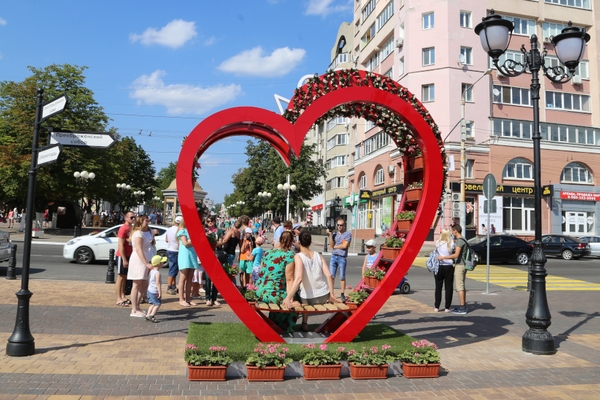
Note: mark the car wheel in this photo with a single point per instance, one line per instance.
(162, 253)
(84, 255)
(522, 258)
(567, 254)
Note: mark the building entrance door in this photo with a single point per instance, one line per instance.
(575, 223)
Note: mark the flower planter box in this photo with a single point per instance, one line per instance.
(368, 371)
(207, 373)
(415, 162)
(390, 253)
(403, 224)
(413, 194)
(267, 374)
(352, 305)
(322, 372)
(371, 282)
(420, 370)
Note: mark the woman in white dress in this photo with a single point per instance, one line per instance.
(139, 262)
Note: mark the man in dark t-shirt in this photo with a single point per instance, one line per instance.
(124, 251)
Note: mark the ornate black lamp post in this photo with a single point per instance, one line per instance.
(83, 178)
(495, 34)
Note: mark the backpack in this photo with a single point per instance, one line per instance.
(468, 256)
(433, 264)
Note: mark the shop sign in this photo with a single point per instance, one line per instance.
(388, 191)
(317, 207)
(500, 189)
(585, 196)
(364, 194)
(548, 190)
(350, 203)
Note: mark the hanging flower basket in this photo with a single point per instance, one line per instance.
(420, 370)
(390, 253)
(324, 372)
(415, 162)
(266, 374)
(403, 224)
(368, 371)
(207, 373)
(414, 194)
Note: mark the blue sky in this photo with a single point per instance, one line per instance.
(159, 67)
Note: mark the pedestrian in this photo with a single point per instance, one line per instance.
(277, 231)
(492, 229)
(187, 261)
(246, 263)
(257, 255)
(155, 287)
(445, 275)
(459, 268)
(11, 218)
(123, 253)
(371, 255)
(139, 262)
(229, 242)
(484, 230)
(46, 216)
(172, 254)
(339, 242)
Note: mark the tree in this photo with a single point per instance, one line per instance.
(266, 170)
(166, 176)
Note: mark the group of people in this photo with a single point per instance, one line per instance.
(12, 217)
(451, 270)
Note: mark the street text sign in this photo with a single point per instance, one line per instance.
(48, 154)
(489, 186)
(54, 107)
(82, 139)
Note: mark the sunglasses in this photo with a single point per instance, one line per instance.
(340, 224)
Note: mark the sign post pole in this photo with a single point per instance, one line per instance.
(489, 191)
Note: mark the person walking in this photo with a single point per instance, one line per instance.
(11, 219)
(155, 287)
(339, 242)
(229, 242)
(445, 275)
(459, 268)
(139, 262)
(123, 253)
(172, 254)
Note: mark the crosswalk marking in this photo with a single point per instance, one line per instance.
(511, 277)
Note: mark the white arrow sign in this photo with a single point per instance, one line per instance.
(48, 154)
(54, 107)
(82, 139)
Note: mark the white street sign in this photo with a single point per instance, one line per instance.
(82, 139)
(48, 154)
(54, 107)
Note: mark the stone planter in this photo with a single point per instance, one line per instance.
(322, 372)
(267, 374)
(368, 371)
(420, 370)
(207, 373)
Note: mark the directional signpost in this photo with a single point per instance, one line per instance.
(489, 191)
(53, 107)
(48, 154)
(82, 139)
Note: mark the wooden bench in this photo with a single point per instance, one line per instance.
(340, 312)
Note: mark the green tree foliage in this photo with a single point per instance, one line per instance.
(265, 171)
(166, 176)
(123, 162)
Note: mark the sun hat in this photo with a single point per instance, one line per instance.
(259, 240)
(248, 230)
(178, 219)
(371, 243)
(157, 260)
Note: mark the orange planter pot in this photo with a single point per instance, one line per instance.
(322, 372)
(371, 281)
(207, 373)
(415, 162)
(368, 371)
(352, 305)
(413, 194)
(420, 370)
(403, 224)
(390, 253)
(266, 374)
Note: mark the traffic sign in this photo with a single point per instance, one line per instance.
(489, 186)
(53, 107)
(82, 139)
(48, 154)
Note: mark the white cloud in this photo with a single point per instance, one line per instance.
(325, 7)
(253, 62)
(2, 21)
(210, 41)
(175, 34)
(181, 98)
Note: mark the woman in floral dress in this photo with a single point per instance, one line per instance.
(276, 274)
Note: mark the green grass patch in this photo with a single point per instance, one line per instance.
(240, 341)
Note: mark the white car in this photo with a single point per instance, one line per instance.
(594, 242)
(86, 249)
(4, 246)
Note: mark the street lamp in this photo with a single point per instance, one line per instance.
(495, 34)
(463, 155)
(83, 178)
(264, 196)
(287, 187)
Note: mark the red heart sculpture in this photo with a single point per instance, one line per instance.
(287, 138)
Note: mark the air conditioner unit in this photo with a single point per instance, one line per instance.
(399, 42)
(455, 196)
(456, 206)
(547, 40)
(576, 80)
(455, 214)
(390, 169)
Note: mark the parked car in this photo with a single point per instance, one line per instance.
(594, 242)
(86, 249)
(4, 246)
(503, 249)
(564, 246)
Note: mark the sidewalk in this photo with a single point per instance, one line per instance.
(87, 346)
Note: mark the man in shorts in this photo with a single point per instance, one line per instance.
(459, 269)
(172, 254)
(124, 251)
(339, 242)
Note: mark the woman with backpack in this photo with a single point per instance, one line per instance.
(445, 275)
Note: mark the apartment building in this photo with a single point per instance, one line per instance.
(431, 48)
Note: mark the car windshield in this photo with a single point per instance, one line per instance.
(476, 240)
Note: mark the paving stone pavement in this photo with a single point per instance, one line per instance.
(87, 347)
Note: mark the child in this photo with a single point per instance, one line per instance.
(245, 257)
(371, 255)
(154, 288)
(257, 255)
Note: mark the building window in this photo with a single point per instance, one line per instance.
(467, 89)
(389, 73)
(550, 29)
(428, 93)
(401, 67)
(337, 161)
(581, 70)
(428, 21)
(572, 3)
(368, 9)
(467, 55)
(385, 15)
(362, 181)
(428, 56)
(469, 169)
(369, 125)
(470, 129)
(376, 142)
(465, 19)
(379, 176)
(518, 168)
(337, 140)
(518, 214)
(576, 173)
(524, 27)
(387, 48)
(512, 128)
(511, 95)
(372, 62)
(567, 101)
